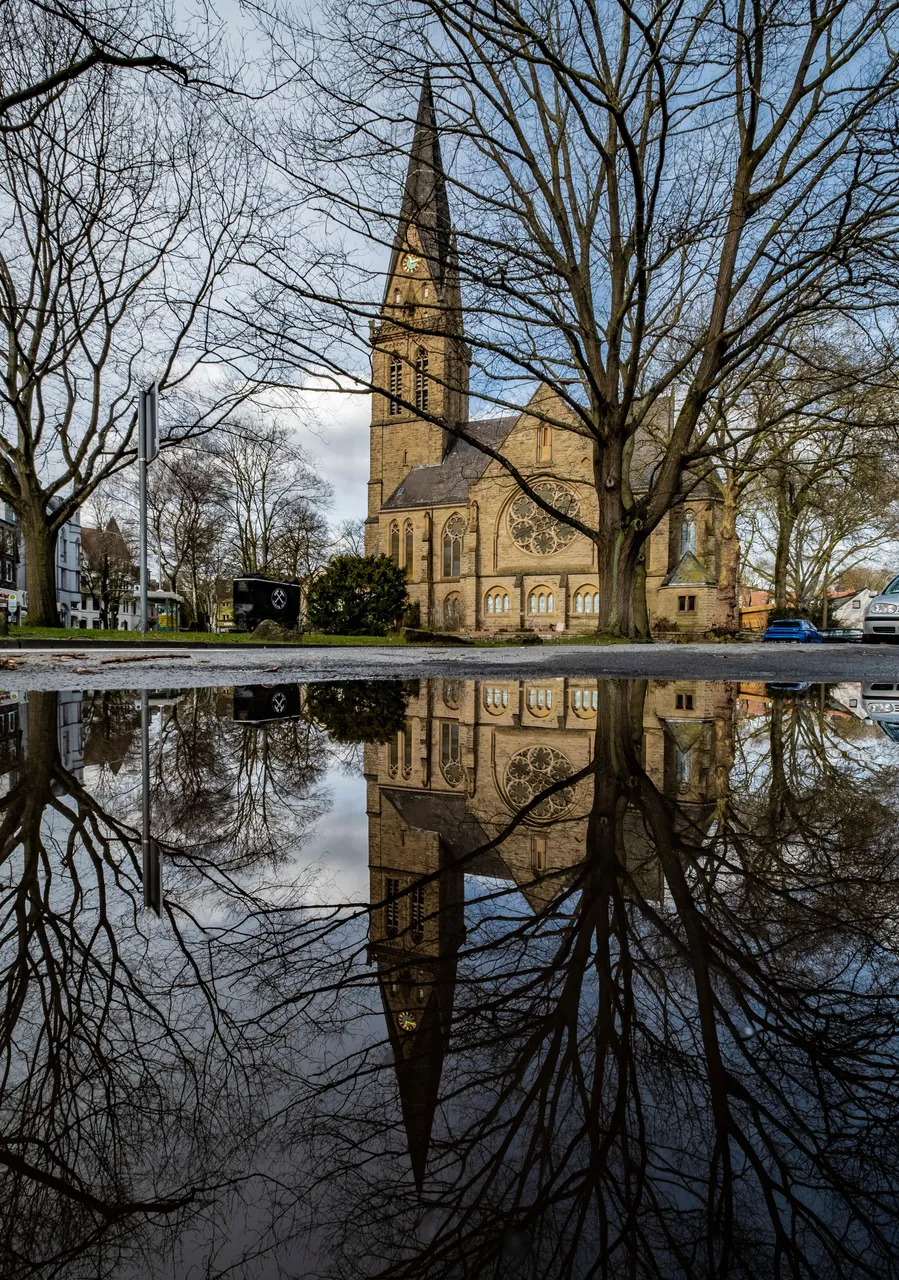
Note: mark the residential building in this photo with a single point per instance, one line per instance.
(849, 610)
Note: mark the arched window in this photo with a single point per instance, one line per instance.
(452, 613)
(452, 547)
(688, 533)
(409, 547)
(541, 603)
(496, 698)
(407, 750)
(421, 380)
(497, 602)
(540, 701)
(450, 754)
(544, 444)
(596, 602)
(392, 907)
(532, 604)
(578, 603)
(490, 604)
(417, 914)
(550, 603)
(396, 383)
(395, 543)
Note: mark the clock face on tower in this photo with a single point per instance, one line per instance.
(411, 263)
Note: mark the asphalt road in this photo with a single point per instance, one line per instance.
(96, 668)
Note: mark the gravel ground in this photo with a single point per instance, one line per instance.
(98, 668)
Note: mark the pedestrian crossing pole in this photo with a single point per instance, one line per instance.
(147, 449)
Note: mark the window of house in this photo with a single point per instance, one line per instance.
(409, 548)
(395, 543)
(586, 602)
(497, 602)
(686, 604)
(421, 380)
(544, 444)
(417, 912)
(538, 853)
(452, 547)
(392, 907)
(856, 604)
(683, 701)
(396, 383)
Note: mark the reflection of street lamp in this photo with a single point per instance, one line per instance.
(147, 449)
(152, 862)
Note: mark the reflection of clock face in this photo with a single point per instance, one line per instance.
(406, 1021)
(410, 263)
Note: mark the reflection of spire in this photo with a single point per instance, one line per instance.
(415, 937)
(418, 1007)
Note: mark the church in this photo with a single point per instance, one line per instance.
(479, 554)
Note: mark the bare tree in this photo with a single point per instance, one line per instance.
(274, 496)
(123, 214)
(108, 567)
(631, 224)
(350, 538)
(186, 506)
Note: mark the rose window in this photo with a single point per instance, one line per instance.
(531, 772)
(533, 529)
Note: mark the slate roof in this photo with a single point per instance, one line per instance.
(425, 200)
(448, 816)
(688, 572)
(446, 483)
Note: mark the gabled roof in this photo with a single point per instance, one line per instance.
(446, 483)
(689, 572)
(425, 200)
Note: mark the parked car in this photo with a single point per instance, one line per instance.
(881, 703)
(881, 624)
(842, 635)
(799, 630)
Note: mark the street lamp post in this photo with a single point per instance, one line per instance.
(147, 449)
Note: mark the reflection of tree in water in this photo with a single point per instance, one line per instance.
(679, 1064)
(135, 1079)
(674, 1074)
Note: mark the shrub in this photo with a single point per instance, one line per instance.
(359, 710)
(357, 596)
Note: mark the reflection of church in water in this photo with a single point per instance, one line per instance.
(444, 800)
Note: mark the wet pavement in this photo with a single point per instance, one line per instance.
(507, 977)
(181, 667)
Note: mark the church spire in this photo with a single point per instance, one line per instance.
(425, 206)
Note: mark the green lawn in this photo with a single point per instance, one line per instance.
(79, 636)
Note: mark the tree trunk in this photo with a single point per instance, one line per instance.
(621, 567)
(730, 559)
(786, 521)
(40, 570)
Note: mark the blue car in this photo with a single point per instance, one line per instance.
(799, 630)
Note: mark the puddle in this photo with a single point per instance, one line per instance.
(450, 978)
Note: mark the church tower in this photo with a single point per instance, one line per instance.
(419, 357)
